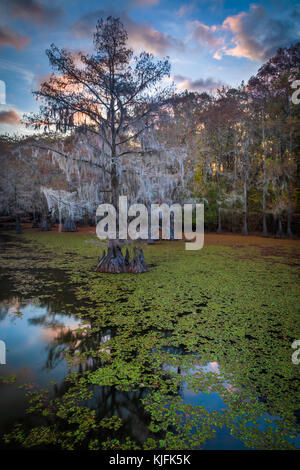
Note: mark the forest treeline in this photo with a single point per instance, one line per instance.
(237, 150)
(245, 145)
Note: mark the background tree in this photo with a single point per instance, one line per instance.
(270, 92)
(22, 175)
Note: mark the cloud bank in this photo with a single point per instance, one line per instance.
(257, 35)
(201, 84)
(35, 11)
(9, 117)
(140, 35)
(8, 37)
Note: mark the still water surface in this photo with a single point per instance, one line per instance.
(36, 337)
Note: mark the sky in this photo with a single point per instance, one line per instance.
(209, 42)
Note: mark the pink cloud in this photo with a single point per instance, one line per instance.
(34, 10)
(204, 34)
(8, 37)
(201, 84)
(9, 117)
(140, 35)
(246, 46)
(257, 34)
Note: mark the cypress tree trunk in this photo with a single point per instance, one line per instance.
(18, 226)
(233, 220)
(69, 225)
(264, 203)
(265, 184)
(53, 220)
(233, 215)
(149, 241)
(279, 232)
(245, 226)
(219, 230)
(290, 213)
(113, 261)
(265, 228)
(44, 224)
(265, 189)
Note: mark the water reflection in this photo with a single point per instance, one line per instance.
(33, 336)
(214, 401)
(37, 338)
(109, 401)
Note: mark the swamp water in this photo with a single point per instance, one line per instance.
(38, 333)
(36, 337)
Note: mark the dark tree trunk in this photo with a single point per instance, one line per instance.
(233, 219)
(18, 226)
(127, 257)
(289, 225)
(233, 214)
(35, 223)
(265, 228)
(265, 183)
(219, 230)
(150, 241)
(290, 214)
(172, 226)
(138, 264)
(44, 225)
(69, 225)
(245, 226)
(114, 180)
(114, 262)
(279, 232)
